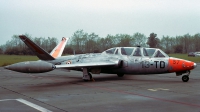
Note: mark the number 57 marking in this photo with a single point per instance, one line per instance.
(175, 61)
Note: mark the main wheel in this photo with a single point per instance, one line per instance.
(85, 80)
(120, 75)
(90, 79)
(185, 78)
(90, 75)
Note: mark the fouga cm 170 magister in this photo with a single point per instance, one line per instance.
(117, 60)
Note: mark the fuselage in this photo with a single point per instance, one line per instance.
(135, 60)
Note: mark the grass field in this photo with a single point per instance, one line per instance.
(185, 56)
(10, 59)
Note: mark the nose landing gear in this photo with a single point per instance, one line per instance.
(185, 78)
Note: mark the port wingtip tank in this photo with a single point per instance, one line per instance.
(31, 67)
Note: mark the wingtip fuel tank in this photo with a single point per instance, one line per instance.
(31, 67)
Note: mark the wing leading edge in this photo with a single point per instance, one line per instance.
(89, 65)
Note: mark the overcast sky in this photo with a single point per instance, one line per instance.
(61, 18)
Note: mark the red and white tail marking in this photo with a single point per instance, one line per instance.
(58, 50)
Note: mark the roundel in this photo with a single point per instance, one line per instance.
(69, 62)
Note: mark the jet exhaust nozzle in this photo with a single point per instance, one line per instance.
(31, 67)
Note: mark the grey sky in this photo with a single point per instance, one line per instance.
(58, 18)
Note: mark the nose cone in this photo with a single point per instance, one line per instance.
(195, 65)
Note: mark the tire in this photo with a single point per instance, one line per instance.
(120, 75)
(185, 78)
(90, 75)
(85, 80)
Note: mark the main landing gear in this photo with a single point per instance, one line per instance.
(87, 76)
(185, 78)
(120, 75)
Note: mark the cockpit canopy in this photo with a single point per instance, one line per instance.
(136, 51)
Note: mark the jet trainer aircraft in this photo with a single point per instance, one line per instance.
(118, 60)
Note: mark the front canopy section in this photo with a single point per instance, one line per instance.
(136, 51)
(156, 53)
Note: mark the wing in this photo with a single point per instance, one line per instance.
(91, 65)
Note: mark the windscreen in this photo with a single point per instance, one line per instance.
(150, 51)
(159, 54)
(111, 51)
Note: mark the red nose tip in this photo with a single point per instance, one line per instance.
(195, 65)
(177, 65)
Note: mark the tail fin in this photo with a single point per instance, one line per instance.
(58, 50)
(41, 53)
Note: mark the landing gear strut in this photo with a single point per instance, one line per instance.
(87, 76)
(185, 78)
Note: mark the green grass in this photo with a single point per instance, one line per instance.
(185, 56)
(10, 59)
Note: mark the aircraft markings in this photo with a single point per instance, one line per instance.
(146, 64)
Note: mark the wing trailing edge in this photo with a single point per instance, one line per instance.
(91, 65)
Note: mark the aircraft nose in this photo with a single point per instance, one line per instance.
(195, 65)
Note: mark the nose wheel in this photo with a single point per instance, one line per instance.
(185, 78)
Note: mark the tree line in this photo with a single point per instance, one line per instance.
(83, 42)
(15, 46)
